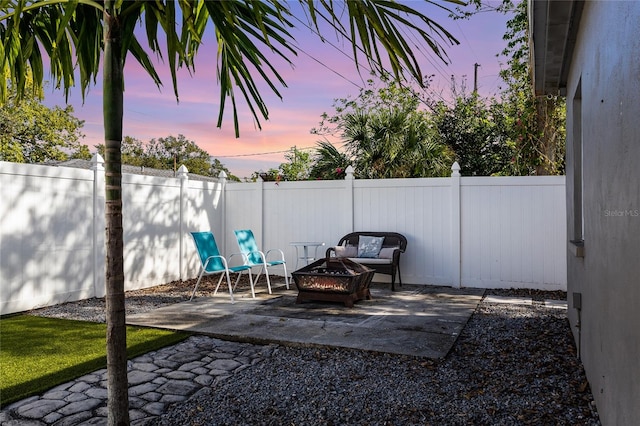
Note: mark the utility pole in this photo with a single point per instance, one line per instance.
(475, 77)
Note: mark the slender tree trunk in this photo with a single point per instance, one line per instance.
(547, 132)
(117, 384)
(551, 136)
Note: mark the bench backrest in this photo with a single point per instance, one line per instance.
(391, 239)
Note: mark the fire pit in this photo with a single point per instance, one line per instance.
(333, 280)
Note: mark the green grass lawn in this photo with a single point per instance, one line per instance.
(39, 353)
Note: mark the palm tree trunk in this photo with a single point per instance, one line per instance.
(117, 384)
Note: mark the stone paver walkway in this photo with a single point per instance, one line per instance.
(156, 380)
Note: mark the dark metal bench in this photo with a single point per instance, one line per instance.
(395, 244)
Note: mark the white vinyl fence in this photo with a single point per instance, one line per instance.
(488, 232)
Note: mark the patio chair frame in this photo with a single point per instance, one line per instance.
(212, 262)
(254, 257)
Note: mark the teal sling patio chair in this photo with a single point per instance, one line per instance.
(212, 262)
(254, 257)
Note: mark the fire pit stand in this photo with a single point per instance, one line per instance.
(333, 279)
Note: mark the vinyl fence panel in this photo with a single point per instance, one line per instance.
(203, 210)
(419, 209)
(513, 232)
(46, 236)
(151, 213)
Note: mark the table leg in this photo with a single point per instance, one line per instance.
(306, 255)
(297, 258)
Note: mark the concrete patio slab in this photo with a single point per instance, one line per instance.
(557, 304)
(421, 321)
(509, 300)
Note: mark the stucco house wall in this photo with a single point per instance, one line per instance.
(602, 85)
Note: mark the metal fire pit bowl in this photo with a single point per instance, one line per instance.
(334, 280)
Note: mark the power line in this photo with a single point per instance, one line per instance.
(324, 40)
(420, 48)
(337, 145)
(264, 153)
(332, 70)
(475, 55)
(342, 34)
(419, 45)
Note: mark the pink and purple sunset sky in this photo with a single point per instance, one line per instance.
(311, 89)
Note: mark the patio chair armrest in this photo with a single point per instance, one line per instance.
(263, 258)
(276, 250)
(224, 261)
(245, 260)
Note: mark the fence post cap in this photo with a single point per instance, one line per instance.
(97, 161)
(455, 169)
(183, 172)
(350, 170)
(222, 175)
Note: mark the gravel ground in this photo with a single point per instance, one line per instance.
(139, 301)
(511, 365)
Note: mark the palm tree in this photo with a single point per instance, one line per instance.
(394, 143)
(328, 162)
(74, 34)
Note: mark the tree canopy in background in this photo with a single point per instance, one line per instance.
(534, 125)
(474, 129)
(169, 153)
(30, 132)
(394, 143)
(297, 166)
(385, 133)
(381, 92)
(329, 162)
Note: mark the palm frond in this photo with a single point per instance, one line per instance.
(250, 34)
(243, 30)
(381, 22)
